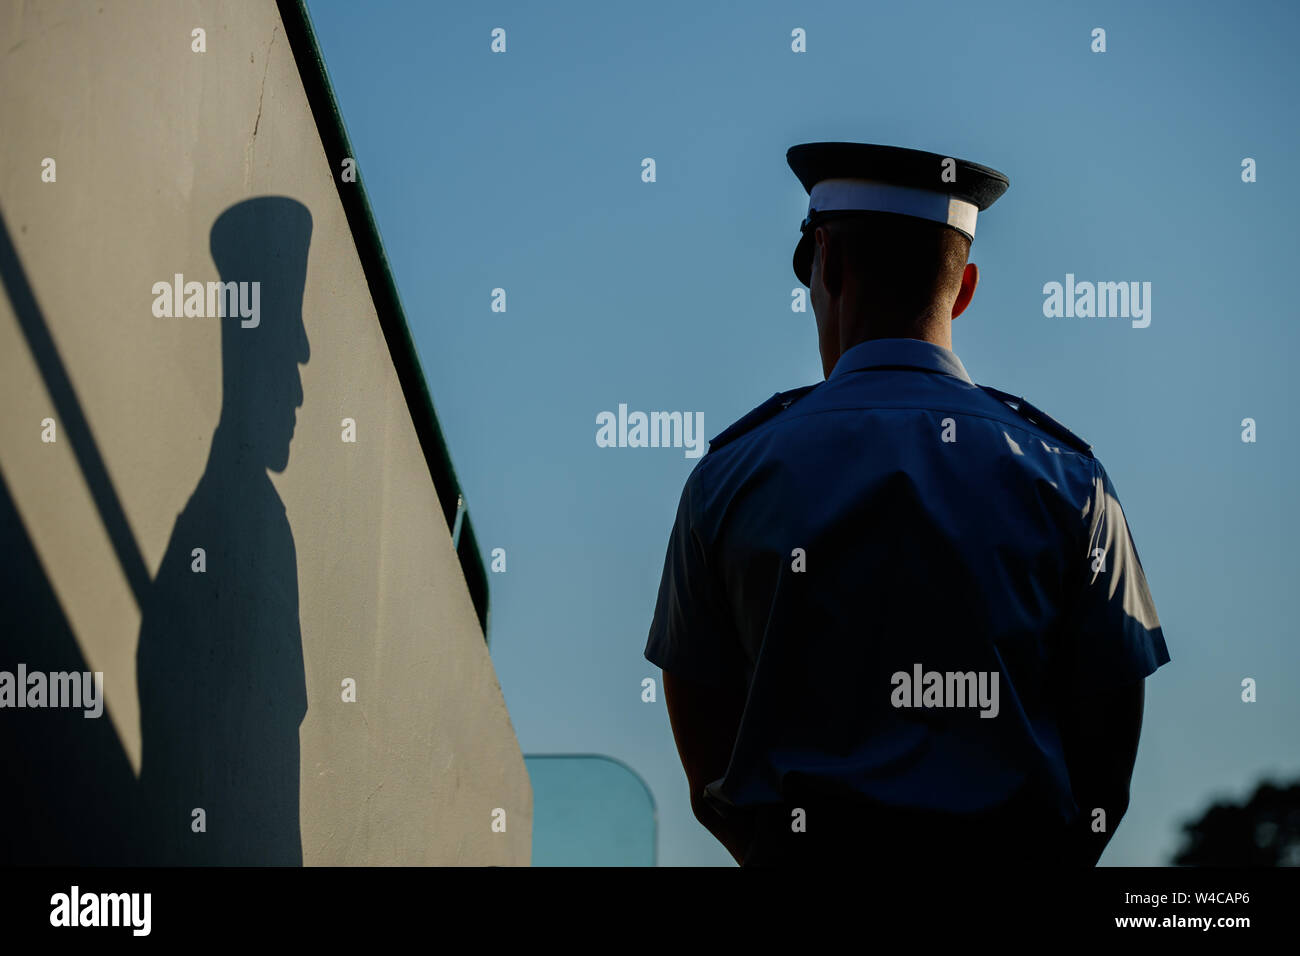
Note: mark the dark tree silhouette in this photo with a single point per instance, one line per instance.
(1265, 831)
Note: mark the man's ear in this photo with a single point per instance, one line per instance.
(970, 278)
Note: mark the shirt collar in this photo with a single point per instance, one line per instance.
(913, 353)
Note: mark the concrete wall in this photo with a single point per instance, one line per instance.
(325, 560)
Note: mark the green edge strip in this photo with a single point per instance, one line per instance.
(383, 290)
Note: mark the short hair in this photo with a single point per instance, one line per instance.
(908, 261)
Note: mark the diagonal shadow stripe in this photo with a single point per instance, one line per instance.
(72, 420)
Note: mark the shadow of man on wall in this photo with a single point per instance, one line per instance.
(219, 664)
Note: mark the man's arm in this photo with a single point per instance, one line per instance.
(1115, 642)
(1100, 733)
(705, 721)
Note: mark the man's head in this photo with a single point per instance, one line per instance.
(880, 275)
(884, 244)
(264, 242)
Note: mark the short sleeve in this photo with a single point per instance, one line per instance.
(1116, 635)
(692, 634)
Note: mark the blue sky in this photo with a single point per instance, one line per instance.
(522, 171)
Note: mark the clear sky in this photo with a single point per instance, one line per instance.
(522, 171)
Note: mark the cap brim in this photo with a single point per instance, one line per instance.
(803, 255)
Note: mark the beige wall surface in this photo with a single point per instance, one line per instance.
(224, 688)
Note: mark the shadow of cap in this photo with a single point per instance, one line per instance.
(261, 238)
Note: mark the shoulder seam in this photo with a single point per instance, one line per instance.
(1027, 410)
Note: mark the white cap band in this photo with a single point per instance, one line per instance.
(869, 195)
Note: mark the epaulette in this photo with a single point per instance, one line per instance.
(769, 409)
(1040, 418)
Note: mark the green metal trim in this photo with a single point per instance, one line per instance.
(383, 290)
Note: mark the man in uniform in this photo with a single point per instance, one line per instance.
(902, 617)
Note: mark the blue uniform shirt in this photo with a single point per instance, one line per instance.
(894, 521)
